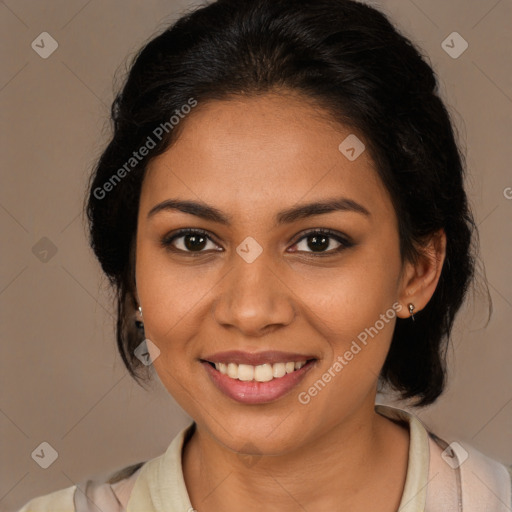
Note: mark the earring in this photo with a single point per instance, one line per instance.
(138, 323)
(411, 309)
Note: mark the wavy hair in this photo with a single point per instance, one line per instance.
(348, 58)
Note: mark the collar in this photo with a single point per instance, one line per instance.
(415, 488)
(161, 487)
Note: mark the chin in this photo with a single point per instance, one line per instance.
(264, 435)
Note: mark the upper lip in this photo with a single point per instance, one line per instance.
(255, 358)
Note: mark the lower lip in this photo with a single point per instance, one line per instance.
(252, 392)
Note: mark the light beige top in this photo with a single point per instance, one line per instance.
(440, 478)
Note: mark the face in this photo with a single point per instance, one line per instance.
(262, 281)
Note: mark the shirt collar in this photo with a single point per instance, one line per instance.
(161, 487)
(415, 488)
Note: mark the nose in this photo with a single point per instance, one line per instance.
(253, 298)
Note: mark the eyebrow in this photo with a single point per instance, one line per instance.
(207, 212)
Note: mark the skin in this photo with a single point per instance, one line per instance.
(251, 158)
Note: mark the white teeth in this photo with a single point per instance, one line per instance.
(278, 370)
(233, 370)
(261, 373)
(290, 367)
(245, 372)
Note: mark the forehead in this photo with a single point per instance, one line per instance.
(261, 152)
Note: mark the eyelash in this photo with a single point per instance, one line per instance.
(167, 241)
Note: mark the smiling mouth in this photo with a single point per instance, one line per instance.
(261, 373)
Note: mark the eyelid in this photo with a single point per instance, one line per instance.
(344, 240)
(168, 239)
(340, 237)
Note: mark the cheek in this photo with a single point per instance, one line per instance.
(168, 292)
(171, 299)
(355, 328)
(351, 297)
(351, 310)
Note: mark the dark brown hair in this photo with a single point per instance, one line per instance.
(351, 60)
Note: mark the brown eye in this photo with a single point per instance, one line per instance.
(188, 240)
(321, 242)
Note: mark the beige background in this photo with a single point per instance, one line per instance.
(62, 380)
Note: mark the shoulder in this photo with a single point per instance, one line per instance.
(58, 501)
(450, 476)
(110, 494)
(461, 474)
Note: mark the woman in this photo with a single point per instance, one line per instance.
(281, 210)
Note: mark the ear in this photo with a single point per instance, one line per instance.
(419, 280)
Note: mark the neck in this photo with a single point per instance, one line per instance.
(334, 471)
